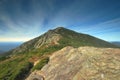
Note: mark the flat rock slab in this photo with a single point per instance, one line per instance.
(35, 76)
(83, 63)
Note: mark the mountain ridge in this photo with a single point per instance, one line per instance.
(56, 34)
(35, 54)
(116, 43)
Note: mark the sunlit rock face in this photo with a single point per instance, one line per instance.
(47, 39)
(83, 63)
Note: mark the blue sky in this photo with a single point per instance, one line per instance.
(21, 20)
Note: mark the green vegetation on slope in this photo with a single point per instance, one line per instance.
(14, 69)
(41, 64)
(19, 66)
(2, 58)
(75, 39)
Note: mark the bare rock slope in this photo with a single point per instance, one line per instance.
(83, 63)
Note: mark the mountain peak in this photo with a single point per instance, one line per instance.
(34, 54)
(63, 37)
(58, 29)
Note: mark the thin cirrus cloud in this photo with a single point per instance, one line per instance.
(21, 20)
(108, 30)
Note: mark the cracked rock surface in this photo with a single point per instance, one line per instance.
(83, 63)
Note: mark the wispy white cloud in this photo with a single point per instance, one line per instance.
(103, 27)
(21, 24)
(108, 30)
(28, 19)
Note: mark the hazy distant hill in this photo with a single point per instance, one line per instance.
(116, 43)
(1, 51)
(34, 54)
(6, 46)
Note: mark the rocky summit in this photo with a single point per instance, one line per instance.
(62, 54)
(83, 63)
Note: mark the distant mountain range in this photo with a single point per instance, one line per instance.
(1, 51)
(6, 46)
(35, 54)
(116, 43)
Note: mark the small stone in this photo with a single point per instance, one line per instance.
(102, 75)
